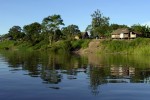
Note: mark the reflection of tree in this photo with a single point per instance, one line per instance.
(51, 68)
(51, 76)
(71, 74)
(141, 75)
(31, 63)
(97, 77)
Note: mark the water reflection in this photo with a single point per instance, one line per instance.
(100, 70)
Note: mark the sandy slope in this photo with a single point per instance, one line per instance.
(94, 47)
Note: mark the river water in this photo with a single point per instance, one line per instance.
(48, 76)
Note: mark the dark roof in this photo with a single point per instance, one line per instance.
(120, 30)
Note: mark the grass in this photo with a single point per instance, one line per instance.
(136, 46)
(78, 44)
(59, 46)
(7, 45)
(139, 46)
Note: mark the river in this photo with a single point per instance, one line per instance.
(43, 76)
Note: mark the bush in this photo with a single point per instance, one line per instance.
(64, 46)
(136, 46)
(77, 44)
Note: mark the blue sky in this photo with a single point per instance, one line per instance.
(78, 12)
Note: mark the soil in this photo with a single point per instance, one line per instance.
(94, 47)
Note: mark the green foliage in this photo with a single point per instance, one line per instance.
(52, 23)
(117, 26)
(136, 46)
(61, 46)
(51, 26)
(48, 35)
(115, 45)
(6, 45)
(100, 24)
(77, 44)
(16, 32)
(142, 30)
(41, 46)
(32, 32)
(70, 31)
(85, 43)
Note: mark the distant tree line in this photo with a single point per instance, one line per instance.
(51, 29)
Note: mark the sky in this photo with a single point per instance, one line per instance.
(77, 12)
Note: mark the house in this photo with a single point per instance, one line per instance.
(123, 33)
(85, 35)
(76, 37)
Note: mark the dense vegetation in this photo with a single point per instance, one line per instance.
(50, 34)
(139, 46)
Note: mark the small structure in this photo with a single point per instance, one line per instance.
(76, 37)
(85, 35)
(123, 33)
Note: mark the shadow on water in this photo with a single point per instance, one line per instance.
(102, 69)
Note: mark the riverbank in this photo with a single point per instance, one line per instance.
(140, 46)
(59, 46)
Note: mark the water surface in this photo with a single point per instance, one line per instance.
(41, 76)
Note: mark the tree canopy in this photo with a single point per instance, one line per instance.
(50, 25)
(16, 32)
(33, 32)
(70, 31)
(100, 23)
(50, 30)
(142, 30)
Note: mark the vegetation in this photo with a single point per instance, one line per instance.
(50, 35)
(136, 46)
(100, 24)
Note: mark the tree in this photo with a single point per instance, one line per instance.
(32, 32)
(16, 32)
(50, 25)
(142, 30)
(70, 31)
(117, 26)
(137, 28)
(100, 23)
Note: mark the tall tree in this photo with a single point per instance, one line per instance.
(32, 32)
(117, 26)
(100, 23)
(70, 31)
(50, 25)
(16, 32)
(142, 30)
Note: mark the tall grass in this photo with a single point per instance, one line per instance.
(7, 44)
(77, 44)
(136, 46)
(67, 46)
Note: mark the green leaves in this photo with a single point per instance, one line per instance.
(16, 32)
(32, 32)
(70, 31)
(142, 30)
(51, 26)
(52, 23)
(100, 23)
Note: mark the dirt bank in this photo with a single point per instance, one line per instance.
(93, 47)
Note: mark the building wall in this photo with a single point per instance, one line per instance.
(115, 36)
(77, 37)
(132, 35)
(126, 35)
(121, 35)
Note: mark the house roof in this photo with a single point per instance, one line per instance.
(120, 30)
